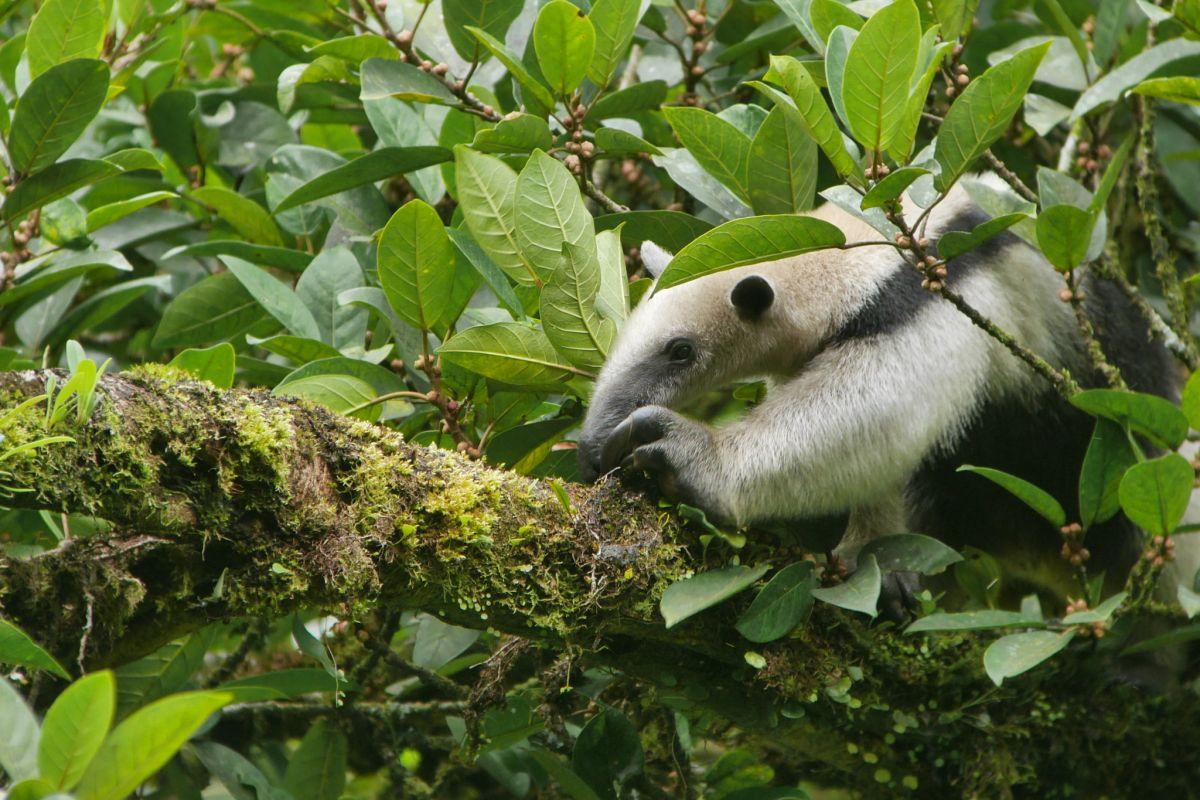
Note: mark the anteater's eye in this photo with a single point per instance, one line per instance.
(681, 351)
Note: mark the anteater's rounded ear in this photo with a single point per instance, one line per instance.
(752, 296)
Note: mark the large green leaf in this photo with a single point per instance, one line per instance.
(1176, 90)
(276, 298)
(982, 112)
(19, 735)
(416, 265)
(164, 671)
(537, 97)
(522, 133)
(384, 77)
(17, 649)
(879, 67)
(1020, 652)
(377, 165)
(1063, 233)
(1159, 420)
(332, 272)
(614, 22)
(486, 189)
(215, 309)
(671, 230)
(1108, 456)
(107, 214)
(952, 244)
(929, 59)
(261, 254)
(647, 96)
(46, 273)
(860, 592)
(719, 147)
(911, 552)
(549, 212)
(954, 16)
(54, 110)
(692, 595)
(784, 177)
(237, 774)
(508, 352)
(144, 742)
(1035, 497)
(1154, 494)
(1172, 57)
(568, 309)
(317, 770)
(214, 364)
(55, 181)
(245, 216)
(63, 30)
(608, 751)
(75, 727)
(492, 16)
(564, 40)
(751, 240)
(781, 605)
(818, 120)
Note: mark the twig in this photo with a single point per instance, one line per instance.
(1111, 373)
(252, 639)
(606, 202)
(1009, 177)
(1108, 269)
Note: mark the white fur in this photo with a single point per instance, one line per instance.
(654, 258)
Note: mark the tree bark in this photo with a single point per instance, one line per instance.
(235, 504)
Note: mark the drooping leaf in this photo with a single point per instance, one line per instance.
(568, 309)
(416, 265)
(1016, 653)
(1036, 498)
(608, 752)
(626, 102)
(332, 272)
(1154, 494)
(860, 592)
(1064, 233)
(19, 735)
(1147, 415)
(564, 40)
(54, 110)
(719, 147)
(55, 181)
(383, 77)
(549, 212)
(537, 97)
(879, 67)
(952, 244)
(492, 16)
(891, 187)
(317, 770)
(487, 195)
(75, 727)
(240, 777)
(438, 643)
(806, 96)
(749, 241)
(781, 605)
(911, 552)
(275, 297)
(18, 649)
(981, 113)
(690, 596)
(215, 309)
(1108, 456)
(158, 674)
(1172, 57)
(784, 177)
(245, 216)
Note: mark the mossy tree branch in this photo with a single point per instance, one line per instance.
(288, 506)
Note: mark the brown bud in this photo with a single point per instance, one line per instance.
(963, 80)
(231, 50)
(692, 31)
(1065, 295)
(903, 241)
(924, 243)
(464, 447)
(441, 69)
(452, 406)
(958, 50)
(950, 92)
(1084, 148)
(698, 48)
(695, 16)
(404, 38)
(473, 452)
(488, 111)
(572, 163)
(1093, 165)
(396, 364)
(432, 396)
(426, 65)
(1104, 151)
(588, 149)
(1081, 162)
(698, 71)
(962, 69)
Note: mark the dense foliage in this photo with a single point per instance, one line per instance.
(428, 216)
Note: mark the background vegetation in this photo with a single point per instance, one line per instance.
(258, 254)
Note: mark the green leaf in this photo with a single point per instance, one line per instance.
(323, 69)
(1020, 652)
(317, 770)
(281, 257)
(333, 271)
(614, 141)
(1172, 57)
(97, 218)
(311, 646)
(63, 30)
(537, 98)
(296, 348)
(841, 39)
(818, 120)
(1063, 233)
(46, 273)
(1154, 494)
(891, 187)
(980, 114)
(612, 300)
(416, 265)
(213, 364)
(492, 275)
(18, 735)
(954, 16)
(358, 48)
(508, 352)
(858, 593)
(215, 309)
(952, 244)
(626, 102)
(608, 752)
(614, 22)
(718, 146)
(781, 605)
(568, 310)
(493, 16)
(563, 775)
(911, 552)
(245, 216)
(17, 649)
(377, 165)
(104, 304)
(242, 779)
(162, 672)
(54, 110)
(1190, 402)
(55, 181)
(973, 621)
(520, 134)
(829, 14)
(275, 297)
(144, 742)
(75, 727)
(929, 59)
(338, 393)
(383, 77)
(1101, 613)
(751, 240)
(284, 683)
(671, 230)
(1038, 499)
(1147, 415)
(690, 596)
(879, 67)
(784, 177)
(549, 212)
(1174, 90)
(438, 643)
(1108, 456)
(564, 40)
(486, 189)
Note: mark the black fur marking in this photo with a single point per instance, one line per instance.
(900, 298)
(752, 296)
